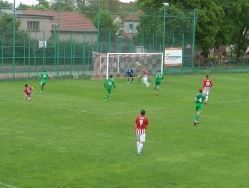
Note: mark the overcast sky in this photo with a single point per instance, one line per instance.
(33, 2)
(27, 2)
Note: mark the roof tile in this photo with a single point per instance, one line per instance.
(69, 21)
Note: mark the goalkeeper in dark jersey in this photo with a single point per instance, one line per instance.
(130, 75)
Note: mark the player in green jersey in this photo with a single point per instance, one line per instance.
(109, 84)
(44, 79)
(199, 99)
(158, 79)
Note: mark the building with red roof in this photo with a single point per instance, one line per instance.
(43, 24)
(131, 23)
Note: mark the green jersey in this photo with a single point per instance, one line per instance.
(44, 77)
(199, 98)
(159, 77)
(109, 84)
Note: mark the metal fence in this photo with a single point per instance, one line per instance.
(31, 42)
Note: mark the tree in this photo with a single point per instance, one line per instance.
(5, 4)
(237, 24)
(23, 7)
(42, 5)
(82, 4)
(178, 24)
(113, 6)
(150, 4)
(6, 27)
(210, 16)
(64, 5)
(152, 22)
(104, 22)
(92, 7)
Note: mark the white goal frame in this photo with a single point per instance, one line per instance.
(110, 54)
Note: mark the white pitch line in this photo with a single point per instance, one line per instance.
(6, 185)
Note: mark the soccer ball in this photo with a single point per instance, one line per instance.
(137, 63)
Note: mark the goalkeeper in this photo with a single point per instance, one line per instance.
(109, 84)
(130, 75)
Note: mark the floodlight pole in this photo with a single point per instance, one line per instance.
(164, 29)
(98, 25)
(193, 42)
(14, 39)
(58, 38)
(133, 25)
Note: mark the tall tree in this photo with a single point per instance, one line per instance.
(104, 22)
(6, 27)
(92, 7)
(209, 13)
(23, 6)
(151, 27)
(42, 5)
(82, 4)
(237, 24)
(65, 5)
(150, 3)
(5, 4)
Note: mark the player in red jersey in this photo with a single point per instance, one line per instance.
(27, 92)
(145, 76)
(206, 86)
(141, 124)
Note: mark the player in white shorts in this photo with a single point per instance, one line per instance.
(145, 77)
(206, 86)
(141, 124)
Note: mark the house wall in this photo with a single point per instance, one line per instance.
(89, 37)
(127, 27)
(44, 33)
(47, 30)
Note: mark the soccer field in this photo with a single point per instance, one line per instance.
(69, 137)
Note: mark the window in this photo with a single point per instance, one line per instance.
(33, 26)
(131, 26)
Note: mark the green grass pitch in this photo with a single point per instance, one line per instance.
(69, 137)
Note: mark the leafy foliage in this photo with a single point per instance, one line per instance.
(63, 5)
(5, 4)
(104, 22)
(237, 24)
(6, 28)
(220, 22)
(152, 25)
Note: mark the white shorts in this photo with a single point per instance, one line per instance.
(141, 137)
(145, 78)
(206, 91)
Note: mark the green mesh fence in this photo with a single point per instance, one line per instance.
(63, 42)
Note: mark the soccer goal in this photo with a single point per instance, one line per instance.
(117, 64)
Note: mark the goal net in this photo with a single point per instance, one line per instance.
(117, 64)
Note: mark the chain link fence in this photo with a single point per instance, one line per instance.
(63, 42)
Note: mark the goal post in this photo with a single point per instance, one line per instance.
(118, 63)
